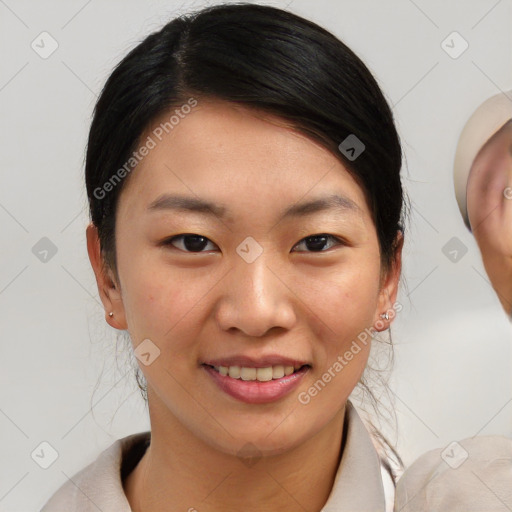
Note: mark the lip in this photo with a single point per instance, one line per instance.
(254, 391)
(260, 362)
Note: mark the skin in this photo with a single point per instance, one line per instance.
(293, 300)
(489, 200)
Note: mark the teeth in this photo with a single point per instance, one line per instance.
(261, 374)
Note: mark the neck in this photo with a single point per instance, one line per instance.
(192, 475)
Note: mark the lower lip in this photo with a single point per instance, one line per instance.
(254, 391)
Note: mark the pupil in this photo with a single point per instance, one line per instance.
(194, 242)
(316, 239)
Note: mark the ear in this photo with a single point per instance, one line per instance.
(389, 287)
(109, 290)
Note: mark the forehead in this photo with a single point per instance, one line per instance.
(234, 155)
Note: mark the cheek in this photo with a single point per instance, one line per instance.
(343, 298)
(161, 304)
(351, 316)
(339, 309)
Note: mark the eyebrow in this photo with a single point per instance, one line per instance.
(337, 202)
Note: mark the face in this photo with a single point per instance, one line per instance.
(489, 202)
(244, 278)
(489, 195)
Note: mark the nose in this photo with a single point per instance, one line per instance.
(255, 298)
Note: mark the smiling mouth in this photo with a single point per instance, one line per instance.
(257, 374)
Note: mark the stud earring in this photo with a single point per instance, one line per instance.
(111, 314)
(385, 315)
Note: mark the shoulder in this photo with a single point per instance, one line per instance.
(100, 484)
(471, 475)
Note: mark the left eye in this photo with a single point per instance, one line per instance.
(196, 243)
(318, 241)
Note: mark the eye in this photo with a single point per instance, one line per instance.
(318, 241)
(191, 242)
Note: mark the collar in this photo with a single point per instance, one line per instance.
(357, 485)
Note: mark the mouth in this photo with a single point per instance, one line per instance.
(261, 374)
(257, 385)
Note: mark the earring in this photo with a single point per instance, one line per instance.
(111, 314)
(385, 315)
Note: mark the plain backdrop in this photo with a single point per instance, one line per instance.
(66, 377)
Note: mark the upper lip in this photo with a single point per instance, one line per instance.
(260, 362)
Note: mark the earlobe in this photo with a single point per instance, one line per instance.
(108, 290)
(389, 288)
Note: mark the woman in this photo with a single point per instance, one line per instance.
(243, 175)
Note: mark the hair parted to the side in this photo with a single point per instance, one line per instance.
(261, 57)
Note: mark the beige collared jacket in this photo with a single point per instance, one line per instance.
(358, 485)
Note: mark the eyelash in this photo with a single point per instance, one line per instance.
(169, 241)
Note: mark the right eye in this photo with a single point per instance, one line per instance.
(190, 241)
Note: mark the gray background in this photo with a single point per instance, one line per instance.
(61, 381)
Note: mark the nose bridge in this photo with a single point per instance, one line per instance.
(256, 280)
(254, 299)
